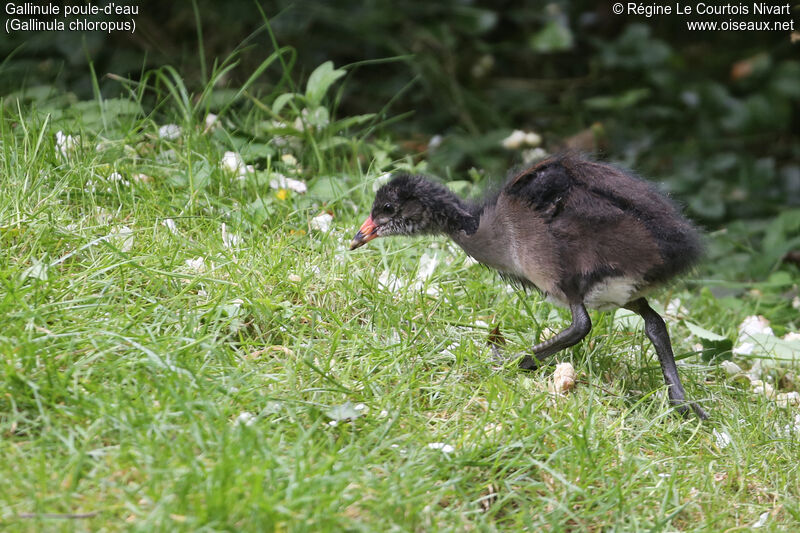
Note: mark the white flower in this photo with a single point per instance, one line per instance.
(169, 132)
(380, 181)
(427, 264)
(731, 368)
(294, 278)
(751, 325)
(233, 162)
(761, 387)
(117, 177)
(289, 160)
(785, 399)
(519, 138)
(722, 438)
(211, 122)
(142, 178)
(66, 143)
(674, 308)
(37, 270)
(389, 281)
(533, 155)
(762, 520)
(446, 448)
(435, 142)
(230, 240)
(122, 237)
(198, 264)
(755, 324)
(282, 182)
(245, 419)
(170, 225)
(792, 428)
(322, 222)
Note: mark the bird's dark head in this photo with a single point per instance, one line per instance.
(412, 205)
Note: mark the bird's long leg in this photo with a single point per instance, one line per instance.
(656, 331)
(581, 324)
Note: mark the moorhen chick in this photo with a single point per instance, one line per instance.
(583, 233)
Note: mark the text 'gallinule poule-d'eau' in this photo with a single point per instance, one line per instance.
(584, 233)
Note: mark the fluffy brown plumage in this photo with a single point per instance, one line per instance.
(584, 233)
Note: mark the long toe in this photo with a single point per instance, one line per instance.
(529, 363)
(497, 354)
(701, 414)
(684, 409)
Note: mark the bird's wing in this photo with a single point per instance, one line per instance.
(544, 187)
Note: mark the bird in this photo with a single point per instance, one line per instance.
(584, 233)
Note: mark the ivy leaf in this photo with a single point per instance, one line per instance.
(714, 344)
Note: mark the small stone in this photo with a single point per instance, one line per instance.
(785, 399)
(563, 379)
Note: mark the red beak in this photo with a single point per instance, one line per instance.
(366, 233)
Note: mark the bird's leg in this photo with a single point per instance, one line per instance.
(581, 324)
(657, 333)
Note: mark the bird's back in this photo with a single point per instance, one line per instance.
(604, 227)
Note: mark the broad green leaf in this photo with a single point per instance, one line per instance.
(627, 320)
(345, 123)
(715, 346)
(326, 188)
(281, 101)
(120, 106)
(703, 333)
(770, 346)
(622, 101)
(333, 142)
(258, 210)
(320, 81)
(555, 37)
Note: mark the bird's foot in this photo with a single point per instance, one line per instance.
(684, 409)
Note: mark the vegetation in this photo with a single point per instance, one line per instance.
(187, 344)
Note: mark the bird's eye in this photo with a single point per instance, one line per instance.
(388, 208)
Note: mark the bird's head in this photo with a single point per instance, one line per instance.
(410, 205)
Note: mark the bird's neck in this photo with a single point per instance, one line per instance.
(457, 216)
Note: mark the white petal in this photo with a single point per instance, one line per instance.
(427, 264)
(514, 140)
(322, 222)
(282, 182)
(230, 240)
(233, 162)
(446, 448)
(170, 225)
(246, 419)
(198, 264)
(122, 237)
(722, 438)
(169, 132)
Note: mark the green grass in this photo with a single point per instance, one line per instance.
(125, 371)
